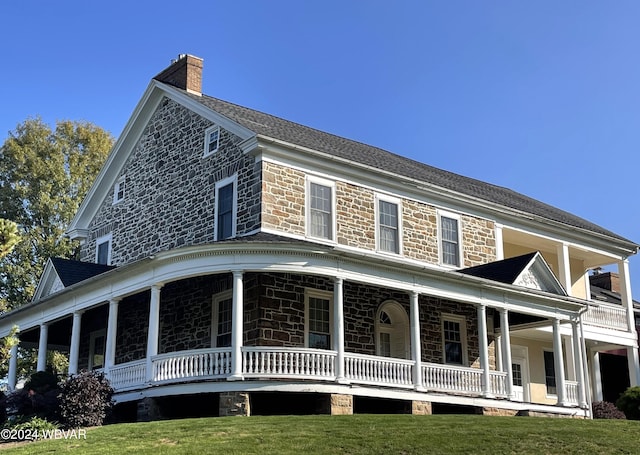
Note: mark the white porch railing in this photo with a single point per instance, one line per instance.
(127, 375)
(448, 378)
(378, 370)
(288, 362)
(571, 391)
(196, 364)
(498, 383)
(606, 315)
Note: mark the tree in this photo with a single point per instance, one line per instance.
(44, 175)
(8, 236)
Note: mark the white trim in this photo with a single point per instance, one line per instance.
(121, 183)
(331, 184)
(555, 374)
(234, 215)
(463, 336)
(207, 132)
(398, 203)
(319, 294)
(92, 347)
(216, 299)
(454, 216)
(393, 308)
(108, 238)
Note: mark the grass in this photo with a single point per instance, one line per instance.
(358, 434)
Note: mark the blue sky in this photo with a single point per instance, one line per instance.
(542, 97)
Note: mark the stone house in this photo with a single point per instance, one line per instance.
(233, 262)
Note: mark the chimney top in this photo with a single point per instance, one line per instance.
(185, 72)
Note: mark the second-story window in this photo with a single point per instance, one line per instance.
(118, 190)
(388, 226)
(103, 250)
(320, 208)
(211, 140)
(225, 209)
(449, 231)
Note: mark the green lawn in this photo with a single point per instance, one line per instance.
(359, 434)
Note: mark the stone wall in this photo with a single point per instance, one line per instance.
(133, 321)
(92, 320)
(169, 197)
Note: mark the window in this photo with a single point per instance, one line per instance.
(450, 240)
(550, 372)
(392, 330)
(221, 324)
(211, 140)
(517, 374)
(388, 226)
(318, 319)
(321, 209)
(226, 201)
(118, 190)
(97, 345)
(454, 339)
(103, 250)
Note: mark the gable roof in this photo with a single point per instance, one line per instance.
(295, 133)
(60, 273)
(529, 270)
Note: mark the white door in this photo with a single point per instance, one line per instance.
(520, 379)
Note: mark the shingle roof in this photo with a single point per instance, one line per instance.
(72, 272)
(285, 130)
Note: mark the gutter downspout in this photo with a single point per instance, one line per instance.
(585, 371)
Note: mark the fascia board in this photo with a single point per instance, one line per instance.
(270, 147)
(48, 274)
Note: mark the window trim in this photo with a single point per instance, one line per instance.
(92, 347)
(116, 189)
(207, 132)
(398, 203)
(333, 222)
(107, 238)
(319, 294)
(463, 337)
(458, 218)
(215, 302)
(393, 308)
(234, 211)
(553, 354)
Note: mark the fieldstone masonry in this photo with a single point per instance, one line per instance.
(234, 404)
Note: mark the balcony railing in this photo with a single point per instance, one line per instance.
(607, 316)
(264, 362)
(370, 369)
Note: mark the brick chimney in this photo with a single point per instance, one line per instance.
(184, 73)
(608, 280)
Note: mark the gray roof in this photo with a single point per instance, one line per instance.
(71, 272)
(285, 130)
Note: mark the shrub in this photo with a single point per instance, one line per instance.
(38, 398)
(629, 403)
(35, 423)
(606, 410)
(86, 400)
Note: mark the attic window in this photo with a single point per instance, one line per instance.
(211, 140)
(118, 190)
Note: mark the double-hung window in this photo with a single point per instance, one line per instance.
(221, 324)
(226, 202)
(320, 205)
(388, 225)
(318, 319)
(118, 190)
(211, 140)
(550, 372)
(454, 339)
(449, 236)
(103, 250)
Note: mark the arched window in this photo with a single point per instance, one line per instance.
(392, 330)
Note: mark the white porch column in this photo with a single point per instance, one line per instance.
(587, 286)
(42, 347)
(633, 362)
(154, 325)
(484, 350)
(338, 320)
(74, 348)
(579, 367)
(13, 368)
(112, 331)
(499, 242)
(559, 363)
(564, 267)
(416, 349)
(625, 293)
(597, 377)
(506, 349)
(237, 312)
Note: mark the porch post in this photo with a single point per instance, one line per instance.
(112, 331)
(597, 377)
(74, 348)
(13, 368)
(416, 349)
(632, 360)
(484, 350)
(154, 323)
(577, 355)
(499, 242)
(564, 267)
(506, 349)
(559, 363)
(237, 329)
(42, 347)
(625, 293)
(338, 320)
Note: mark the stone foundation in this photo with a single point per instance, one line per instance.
(499, 412)
(234, 404)
(422, 408)
(148, 410)
(527, 413)
(341, 404)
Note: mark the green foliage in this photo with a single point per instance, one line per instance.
(606, 410)
(44, 175)
(6, 344)
(629, 403)
(38, 398)
(33, 424)
(86, 400)
(9, 236)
